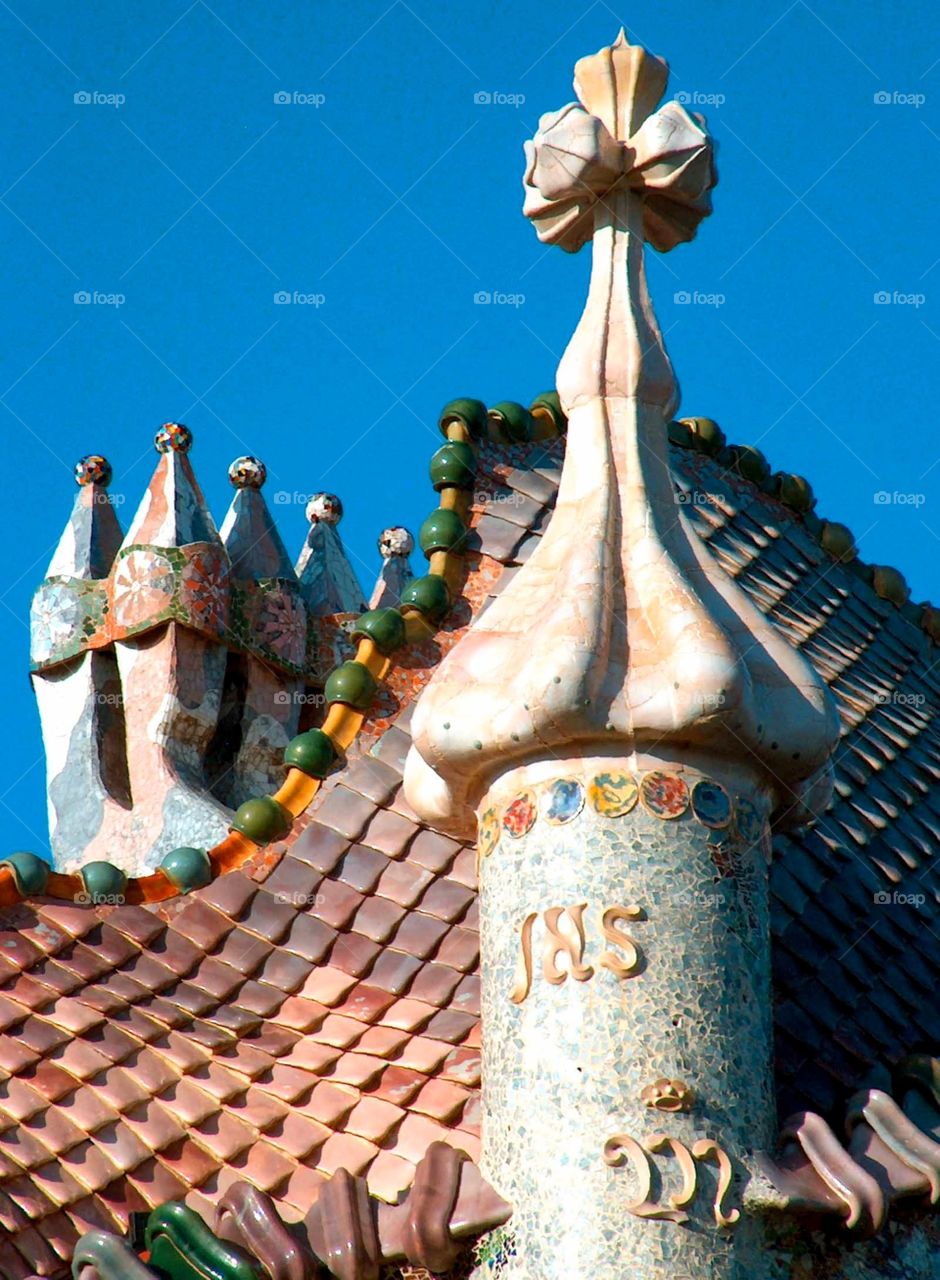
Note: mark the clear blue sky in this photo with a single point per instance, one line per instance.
(395, 194)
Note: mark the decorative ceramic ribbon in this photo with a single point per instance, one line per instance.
(573, 162)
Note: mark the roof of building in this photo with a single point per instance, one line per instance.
(318, 1008)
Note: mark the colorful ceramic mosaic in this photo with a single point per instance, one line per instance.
(396, 541)
(173, 436)
(613, 794)
(489, 832)
(711, 804)
(94, 468)
(248, 472)
(326, 507)
(664, 795)
(520, 815)
(562, 800)
(143, 587)
(748, 821)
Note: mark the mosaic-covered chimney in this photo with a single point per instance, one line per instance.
(617, 730)
(172, 665)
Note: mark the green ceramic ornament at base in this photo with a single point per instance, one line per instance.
(551, 403)
(429, 595)
(350, 683)
(313, 753)
(30, 872)
(103, 882)
(513, 421)
(262, 820)
(454, 466)
(472, 413)
(384, 627)
(443, 530)
(187, 868)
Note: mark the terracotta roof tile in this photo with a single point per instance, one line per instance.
(354, 954)
(357, 1069)
(319, 846)
(224, 1135)
(419, 934)
(361, 867)
(336, 903)
(345, 812)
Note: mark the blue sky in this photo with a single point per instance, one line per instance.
(146, 157)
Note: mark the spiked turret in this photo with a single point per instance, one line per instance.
(395, 546)
(328, 581)
(261, 703)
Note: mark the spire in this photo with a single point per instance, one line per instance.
(173, 511)
(395, 546)
(248, 533)
(621, 629)
(328, 581)
(91, 539)
(171, 565)
(262, 699)
(619, 726)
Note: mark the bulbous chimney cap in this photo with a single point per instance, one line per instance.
(248, 472)
(94, 468)
(395, 541)
(173, 437)
(325, 507)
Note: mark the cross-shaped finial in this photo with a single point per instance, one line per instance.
(616, 169)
